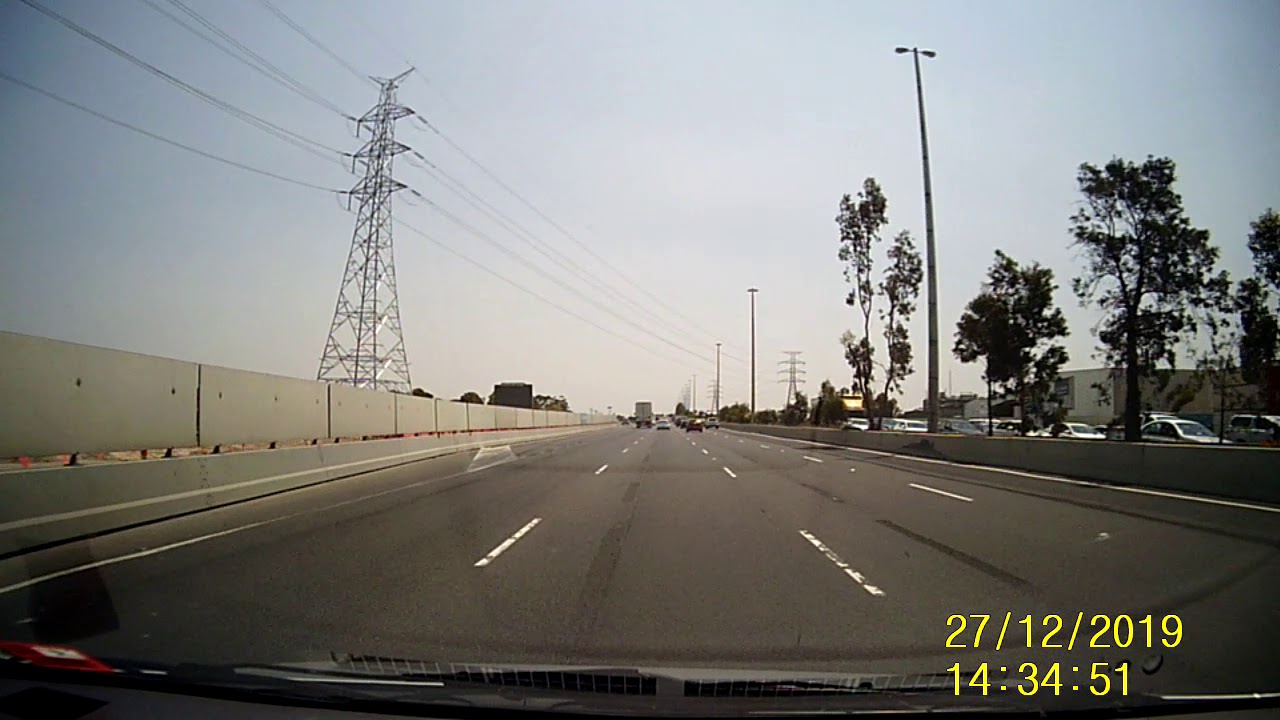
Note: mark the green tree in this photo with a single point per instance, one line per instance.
(1259, 314)
(860, 222)
(471, 397)
(549, 402)
(681, 409)
(419, 392)
(1148, 270)
(736, 413)
(796, 411)
(766, 417)
(828, 408)
(900, 288)
(1012, 325)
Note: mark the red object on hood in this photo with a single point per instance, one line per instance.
(56, 657)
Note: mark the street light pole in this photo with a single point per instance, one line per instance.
(715, 396)
(931, 267)
(753, 292)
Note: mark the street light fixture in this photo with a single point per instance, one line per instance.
(931, 266)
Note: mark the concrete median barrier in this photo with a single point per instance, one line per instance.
(1243, 473)
(52, 505)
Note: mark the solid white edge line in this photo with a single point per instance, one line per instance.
(602, 468)
(1037, 476)
(926, 488)
(494, 553)
(131, 556)
(844, 566)
(426, 453)
(729, 472)
(811, 459)
(230, 531)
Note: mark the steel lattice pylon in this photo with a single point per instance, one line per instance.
(366, 344)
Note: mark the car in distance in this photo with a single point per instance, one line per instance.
(856, 424)
(662, 425)
(693, 425)
(713, 422)
(1178, 430)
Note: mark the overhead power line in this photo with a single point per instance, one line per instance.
(587, 248)
(293, 138)
(550, 277)
(530, 292)
(253, 61)
(544, 248)
(311, 39)
(168, 141)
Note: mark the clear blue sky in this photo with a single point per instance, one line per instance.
(700, 147)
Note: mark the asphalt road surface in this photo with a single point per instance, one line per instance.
(665, 548)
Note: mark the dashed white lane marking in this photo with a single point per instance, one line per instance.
(624, 450)
(766, 447)
(1050, 478)
(811, 459)
(704, 451)
(494, 553)
(602, 468)
(926, 488)
(729, 472)
(740, 441)
(844, 566)
(853, 469)
(693, 442)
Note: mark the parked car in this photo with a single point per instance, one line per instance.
(856, 424)
(1178, 430)
(1003, 428)
(1071, 430)
(1254, 429)
(959, 426)
(901, 425)
(694, 425)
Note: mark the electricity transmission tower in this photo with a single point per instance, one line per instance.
(794, 371)
(365, 347)
(713, 393)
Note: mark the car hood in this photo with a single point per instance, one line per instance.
(354, 681)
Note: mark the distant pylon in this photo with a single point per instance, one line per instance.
(795, 374)
(366, 344)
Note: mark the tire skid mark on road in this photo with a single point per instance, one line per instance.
(974, 562)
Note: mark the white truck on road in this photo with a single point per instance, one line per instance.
(644, 414)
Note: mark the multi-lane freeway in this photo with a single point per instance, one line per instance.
(665, 548)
